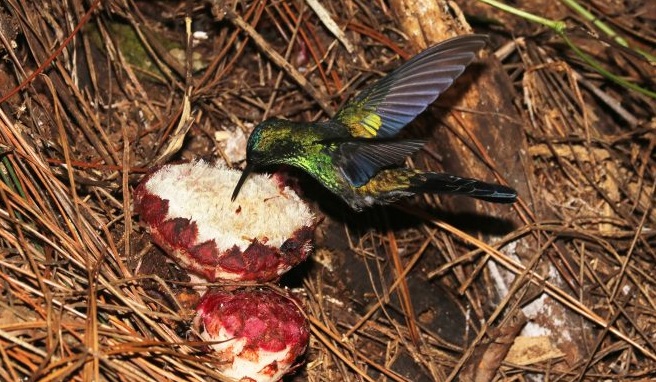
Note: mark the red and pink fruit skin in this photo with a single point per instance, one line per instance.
(252, 325)
(258, 263)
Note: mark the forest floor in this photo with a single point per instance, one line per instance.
(558, 286)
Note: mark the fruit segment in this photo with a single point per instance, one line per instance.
(257, 333)
(186, 207)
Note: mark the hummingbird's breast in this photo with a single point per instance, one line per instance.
(308, 146)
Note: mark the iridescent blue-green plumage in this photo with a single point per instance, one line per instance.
(354, 154)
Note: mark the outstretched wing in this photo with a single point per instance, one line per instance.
(359, 160)
(385, 107)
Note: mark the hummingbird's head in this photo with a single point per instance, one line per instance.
(260, 143)
(262, 149)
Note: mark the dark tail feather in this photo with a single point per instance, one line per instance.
(450, 184)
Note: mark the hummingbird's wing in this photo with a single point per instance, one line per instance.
(359, 160)
(384, 108)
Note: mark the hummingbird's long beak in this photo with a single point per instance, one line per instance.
(240, 182)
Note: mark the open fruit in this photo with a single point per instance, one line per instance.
(188, 211)
(257, 333)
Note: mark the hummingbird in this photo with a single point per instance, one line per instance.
(354, 154)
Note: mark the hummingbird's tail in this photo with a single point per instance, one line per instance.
(430, 182)
(391, 184)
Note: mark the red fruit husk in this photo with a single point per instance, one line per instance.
(260, 332)
(196, 237)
